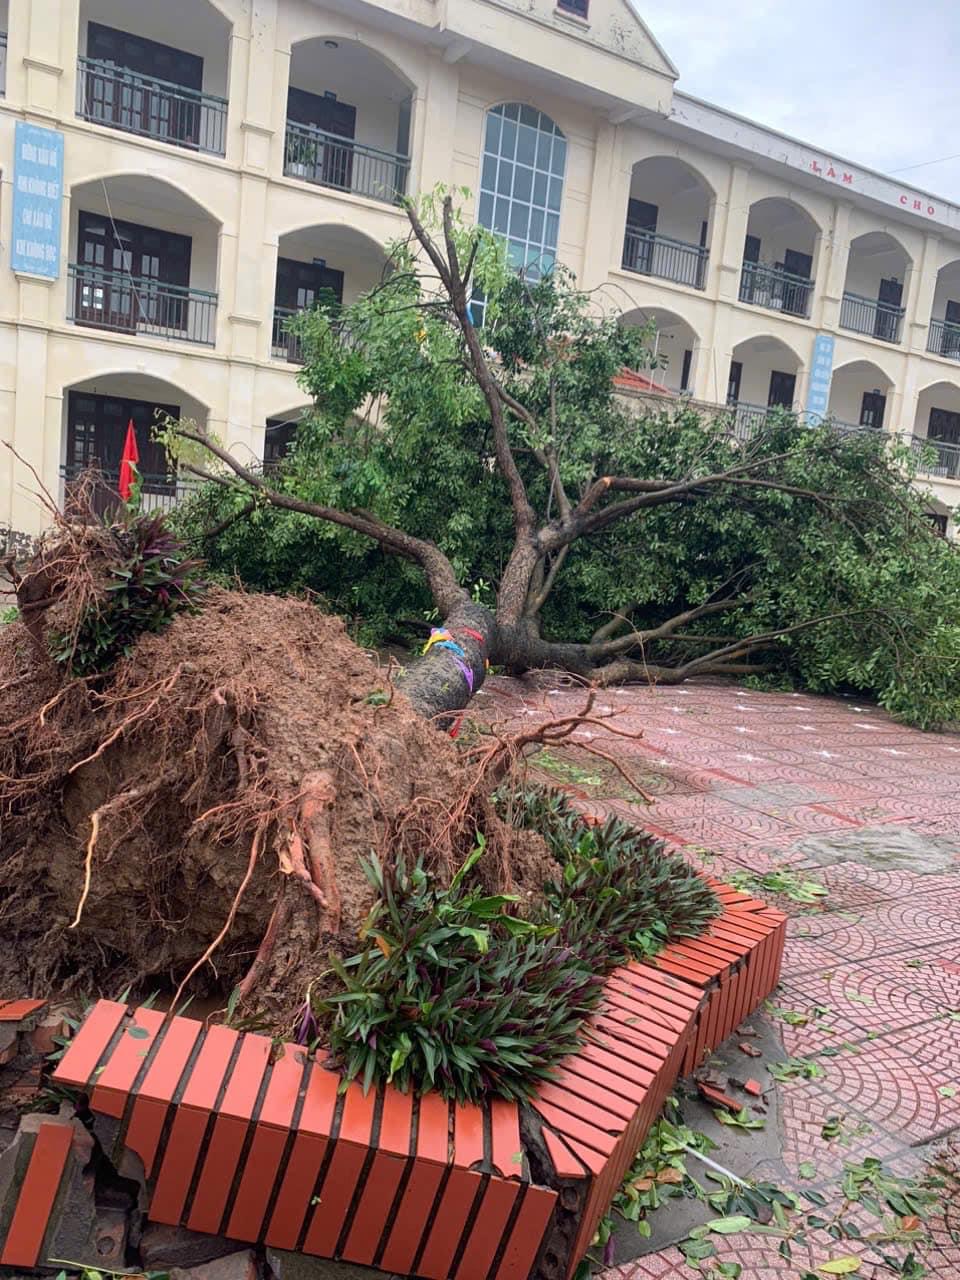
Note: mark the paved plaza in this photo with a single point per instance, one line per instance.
(834, 791)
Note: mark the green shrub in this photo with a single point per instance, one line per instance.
(452, 992)
(148, 578)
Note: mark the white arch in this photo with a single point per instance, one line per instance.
(790, 202)
(877, 242)
(346, 36)
(761, 343)
(865, 367)
(667, 159)
(152, 179)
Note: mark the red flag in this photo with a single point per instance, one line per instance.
(131, 455)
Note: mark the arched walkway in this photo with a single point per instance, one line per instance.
(667, 225)
(763, 375)
(281, 430)
(348, 119)
(944, 334)
(158, 70)
(675, 340)
(778, 256)
(938, 421)
(97, 413)
(858, 395)
(323, 265)
(143, 259)
(875, 288)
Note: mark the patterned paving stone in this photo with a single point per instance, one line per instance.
(750, 777)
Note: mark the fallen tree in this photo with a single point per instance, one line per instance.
(498, 472)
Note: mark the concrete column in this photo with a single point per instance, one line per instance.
(712, 371)
(729, 232)
(921, 289)
(605, 218)
(434, 124)
(51, 47)
(259, 74)
(34, 436)
(834, 266)
(238, 431)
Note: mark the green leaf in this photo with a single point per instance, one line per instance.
(807, 1169)
(845, 1266)
(727, 1226)
(138, 1033)
(947, 1091)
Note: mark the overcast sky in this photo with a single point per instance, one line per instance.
(876, 82)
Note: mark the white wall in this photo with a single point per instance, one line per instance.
(191, 25)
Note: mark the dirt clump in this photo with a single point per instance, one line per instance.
(211, 798)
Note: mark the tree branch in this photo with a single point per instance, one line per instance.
(441, 578)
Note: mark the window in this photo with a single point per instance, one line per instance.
(521, 184)
(577, 7)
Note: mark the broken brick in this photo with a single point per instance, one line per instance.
(750, 1050)
(754, 1088)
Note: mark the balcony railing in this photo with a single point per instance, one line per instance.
(138, 305)
(157, 493)
(121, 99)
(944, 339)
(3, 63)
(655, 255)
(775, 289)
(867, 315)
(284, 344)
(937, 458)
(345, 165)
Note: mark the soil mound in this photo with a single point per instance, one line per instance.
(214, 796)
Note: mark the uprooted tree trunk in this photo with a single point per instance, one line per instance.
(512, 636)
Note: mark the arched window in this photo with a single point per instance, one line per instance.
(521, 184)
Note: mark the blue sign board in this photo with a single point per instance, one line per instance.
(37, 200)
(821, 373)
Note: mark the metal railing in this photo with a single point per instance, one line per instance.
(775, 289)
(331, 161)
(937, 458)
(3, 64)
(747, 419)
(157, 493)
(650, 254)
(136, 304)
(285, 345)
(867, 315)
(943, 339)
(124, 100)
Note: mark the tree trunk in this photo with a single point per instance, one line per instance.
(445, 678)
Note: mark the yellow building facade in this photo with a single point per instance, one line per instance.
(227, 162)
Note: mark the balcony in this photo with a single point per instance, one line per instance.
(138, 305)
(343, 164)
(650, 254)
(151, 108)
(285, 345)
(939, 459)
(868, 316)
(943, 339)
(157, 493)
(775, 289)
